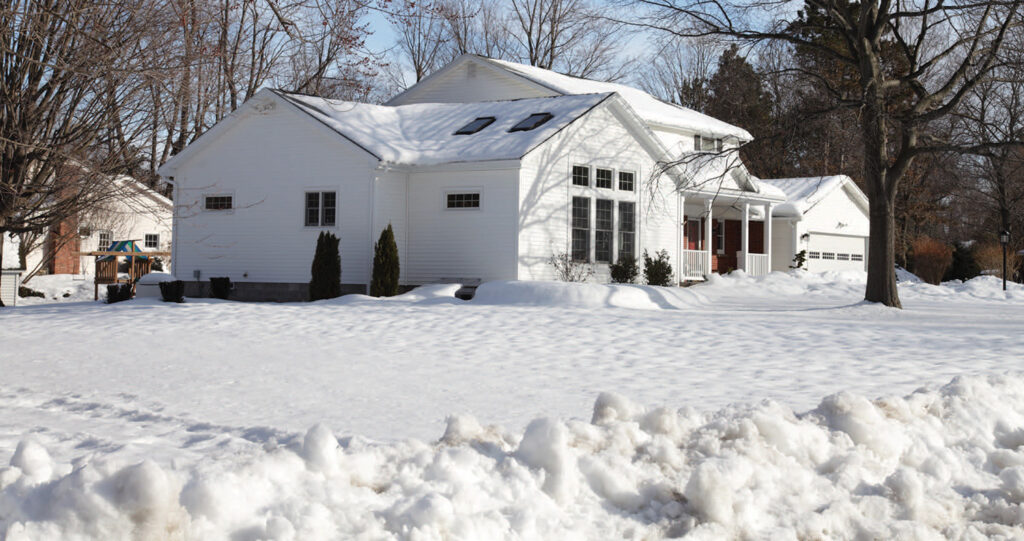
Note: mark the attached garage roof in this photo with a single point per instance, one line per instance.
(803, 193)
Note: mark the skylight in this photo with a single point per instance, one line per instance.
(475, 125)
(532, 122)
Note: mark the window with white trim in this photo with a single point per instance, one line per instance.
(828, 255)
(719, 231)
(218, 202)
(843, 257)
(580, 175)
(603, 178)
(627, 229)
(580, 229)
(603, 230)
(152, 241)
(104, 240)
(626, 181)
(814, 255)
(321, 209)
(856, 257)
(462, 200)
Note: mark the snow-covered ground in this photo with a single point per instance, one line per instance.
(153, 420)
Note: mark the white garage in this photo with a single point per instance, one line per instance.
(826, 218)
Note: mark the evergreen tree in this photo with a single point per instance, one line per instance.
(737, 96)
(326, 271)
(657, 270)
(384, 282)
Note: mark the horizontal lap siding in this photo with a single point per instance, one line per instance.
(471, 83)
(268, 161)
(597, 140)
(463, 244)
(390, 208)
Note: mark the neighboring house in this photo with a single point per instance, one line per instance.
(825, 217)
(135, 212)
(487, 185)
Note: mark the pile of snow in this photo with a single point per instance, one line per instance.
(584, 295)
(61, 288)
(154, 278)
(937, 464)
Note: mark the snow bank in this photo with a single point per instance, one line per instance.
(937, 464)
(584, 295)
(61, 288)
(154, 278)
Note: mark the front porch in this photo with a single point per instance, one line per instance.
(722, 236)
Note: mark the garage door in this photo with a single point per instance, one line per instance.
(835, 252)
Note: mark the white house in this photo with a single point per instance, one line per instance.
(827, 218)
(485, 170)
(134, 212)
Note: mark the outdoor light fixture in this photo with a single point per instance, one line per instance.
(1004, 239)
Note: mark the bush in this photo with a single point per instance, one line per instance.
(625, 270)
(157, 264)
(384, 282)
(964, 266)
(799, 260)
(931, 259)
(657, 271)
(29, 292)
(173, 291)
(325, 282)
(569, 270)
(990, 259)
(118, 293)
(220, 287)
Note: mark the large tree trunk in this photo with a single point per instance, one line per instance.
(882, 254)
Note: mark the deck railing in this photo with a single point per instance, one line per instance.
(755, 264)
(695, 265)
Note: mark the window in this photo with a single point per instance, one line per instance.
(603, 178)
(475, 125)
(580, 229)
(152, 241)
(843, 257)
(603, 231)
(719, 145)
(828, 255)
(321, 209)
(625, 181)
(532, 122)
(467, 200)
(856, 257)
(104, 241)
(580, 175)
(814, 255)
(218, 202)
(627, 229)
(696, 143)
(719, 230)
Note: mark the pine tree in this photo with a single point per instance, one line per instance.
(326, 271)
(384, 282)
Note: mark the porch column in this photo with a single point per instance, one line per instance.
(796, 242)
(708, 224)
(768, 233)
(745, 237)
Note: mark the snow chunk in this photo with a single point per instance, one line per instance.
(33, 460)
(545, 445)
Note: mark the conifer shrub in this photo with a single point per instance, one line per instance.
(220, 287)
(118, 293)
(625, 270)
(965, 264)
(325, 281)
(657, 270)
(799, 260)
(172, 291)
(931, 259)
(384, 282)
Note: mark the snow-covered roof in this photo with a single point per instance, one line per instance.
(805, 192)
(714, 172)
(424, 133)
(651, 109)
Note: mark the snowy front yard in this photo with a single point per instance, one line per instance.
(193, 421)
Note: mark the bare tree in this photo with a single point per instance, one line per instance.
(569, 36)
(908, 64)
(679, 70)
(421, 30)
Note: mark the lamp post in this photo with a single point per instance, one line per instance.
(1004, 239)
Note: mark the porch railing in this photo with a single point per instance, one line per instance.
(755, 264)
(695, 265)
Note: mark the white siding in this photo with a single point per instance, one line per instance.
(838, 214)
(470, 82)
(782, 244)
(546, 191)
(389, 196)
(461, 244)
(130, 217)
(267, 161)
(9, 283)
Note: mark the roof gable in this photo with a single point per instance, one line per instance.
(804, 193)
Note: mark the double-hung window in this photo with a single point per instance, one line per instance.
(580, 229)
(627, 229)
(321, 209)
(104, 240)
(603, 231)
(603, 178)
